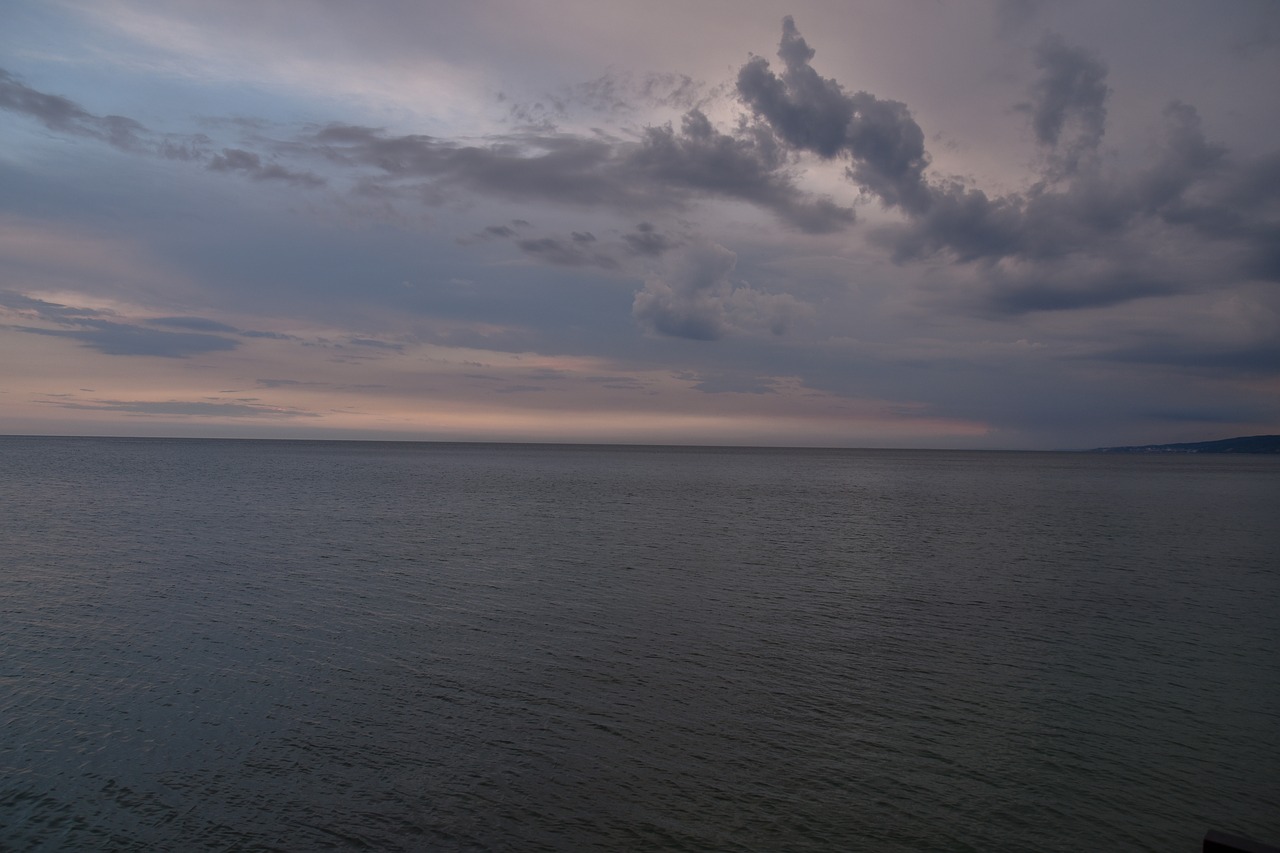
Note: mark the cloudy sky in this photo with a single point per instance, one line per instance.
(902, 223)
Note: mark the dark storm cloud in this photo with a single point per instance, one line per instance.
(809, 112)
(1068, 103)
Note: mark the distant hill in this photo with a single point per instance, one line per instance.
(1245, 444)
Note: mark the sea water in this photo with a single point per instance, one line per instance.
(272, 645)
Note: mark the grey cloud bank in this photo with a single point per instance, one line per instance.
(783, 228)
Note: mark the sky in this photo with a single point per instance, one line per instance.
(988, 224)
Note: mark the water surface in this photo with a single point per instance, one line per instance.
(258, 645)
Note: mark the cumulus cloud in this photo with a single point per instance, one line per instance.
(693, 297)
(812, 113)
(1085, 235)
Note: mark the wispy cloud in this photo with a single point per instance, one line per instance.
(183, 408)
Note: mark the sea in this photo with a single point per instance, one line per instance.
(236, 645)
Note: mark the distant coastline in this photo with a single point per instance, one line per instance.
(1243, 444)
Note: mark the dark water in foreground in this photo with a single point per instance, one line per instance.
(215, 645)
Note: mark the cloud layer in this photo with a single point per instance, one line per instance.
(820, 240)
